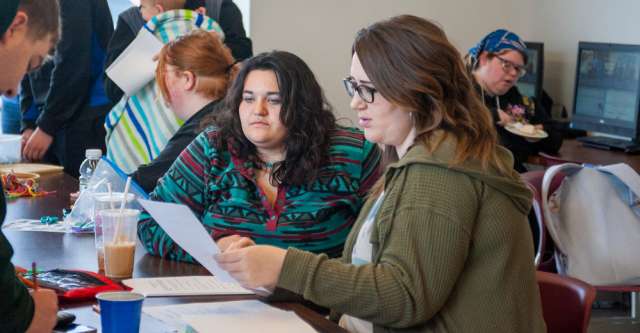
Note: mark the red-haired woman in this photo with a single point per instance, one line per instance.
(193, 74)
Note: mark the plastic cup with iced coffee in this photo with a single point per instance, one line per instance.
(119, 227)
(104, 201)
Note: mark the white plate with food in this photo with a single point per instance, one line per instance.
(526, 130)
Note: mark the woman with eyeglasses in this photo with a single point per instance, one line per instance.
(496, 63)
(441, 245)
(274, 168)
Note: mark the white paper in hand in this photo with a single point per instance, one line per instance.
(179, 222)
(135, 67)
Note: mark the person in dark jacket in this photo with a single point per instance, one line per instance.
(193, 74)
(496, 63)
(73, 113)
(130, 21)
(34, 88)
(29, 29)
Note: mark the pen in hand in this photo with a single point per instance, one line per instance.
(34, 275)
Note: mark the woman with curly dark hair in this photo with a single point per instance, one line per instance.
(273, 169)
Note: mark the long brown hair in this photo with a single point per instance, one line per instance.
(413, 65)
(203, 54)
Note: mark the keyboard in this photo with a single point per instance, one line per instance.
(603, 142)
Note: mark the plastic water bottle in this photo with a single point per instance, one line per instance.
(88, 166)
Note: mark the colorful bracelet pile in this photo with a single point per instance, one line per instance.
(15, 187)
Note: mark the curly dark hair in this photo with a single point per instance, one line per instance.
(305, 113)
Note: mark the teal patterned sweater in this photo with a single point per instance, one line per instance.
(221, 190)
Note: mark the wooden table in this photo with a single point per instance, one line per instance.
(77, 251)
(573, 150)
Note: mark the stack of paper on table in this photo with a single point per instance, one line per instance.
(184, 286)
(236, 316)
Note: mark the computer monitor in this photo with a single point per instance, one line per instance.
(531, 84)
(607, 89)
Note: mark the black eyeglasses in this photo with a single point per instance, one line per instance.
(507, 66)
(365, 92)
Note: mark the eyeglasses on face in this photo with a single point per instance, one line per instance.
(365, 92)
(508, 66)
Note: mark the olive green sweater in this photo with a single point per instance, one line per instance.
(452, 252)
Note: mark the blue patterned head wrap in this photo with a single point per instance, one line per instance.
(496, 42)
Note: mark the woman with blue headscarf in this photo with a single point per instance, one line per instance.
(496, 63)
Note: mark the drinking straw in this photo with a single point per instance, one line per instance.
(111, 204)
(96, 185)
(116, 236)
(126, 192)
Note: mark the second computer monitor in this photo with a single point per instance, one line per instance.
(607, 89)
(531, 84)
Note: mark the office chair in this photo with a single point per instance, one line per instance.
(566, 302)
(544, 259)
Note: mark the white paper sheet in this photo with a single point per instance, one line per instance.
(179, 222)
(282, 321)
(184, 286)
(35, 225)
(236, 316)
(135, 67)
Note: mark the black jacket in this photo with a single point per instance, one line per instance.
(33, 94)
(519, 147)
(230, 22)
(147, 175)
(76, 77)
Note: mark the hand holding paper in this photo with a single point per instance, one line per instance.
(179, 222)
(254, 266)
